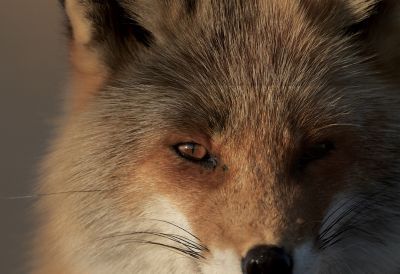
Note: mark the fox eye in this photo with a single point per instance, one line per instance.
(316, 152)
(192, 151)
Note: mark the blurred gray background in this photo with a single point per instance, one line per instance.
(32, 78)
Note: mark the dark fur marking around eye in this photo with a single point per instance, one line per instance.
(315, 152)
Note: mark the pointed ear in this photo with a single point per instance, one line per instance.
(373, 24)
(103, 38)
(377, 25)
(105, 35)
(382, 35)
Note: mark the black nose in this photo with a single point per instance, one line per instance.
(265, 259)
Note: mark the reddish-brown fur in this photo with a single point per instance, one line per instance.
(256, 85)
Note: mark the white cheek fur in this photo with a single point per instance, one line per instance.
(222, 261)
(128, 255)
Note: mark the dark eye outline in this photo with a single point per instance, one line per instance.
(315, 152)
(208, 160)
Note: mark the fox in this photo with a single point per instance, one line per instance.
(225, 136)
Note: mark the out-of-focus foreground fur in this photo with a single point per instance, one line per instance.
(196, 131)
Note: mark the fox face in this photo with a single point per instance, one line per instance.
(226, 137)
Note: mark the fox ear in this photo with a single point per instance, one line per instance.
(104, 36)
(378, 26)
(374, 24)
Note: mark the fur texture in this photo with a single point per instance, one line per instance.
(260, 85)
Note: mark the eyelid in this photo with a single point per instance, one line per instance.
(311, 153)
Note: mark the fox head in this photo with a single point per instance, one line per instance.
(226, 137)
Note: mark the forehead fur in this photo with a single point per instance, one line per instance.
(241, 63)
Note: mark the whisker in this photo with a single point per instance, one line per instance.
(192, 254)
(330, 215)
(188, 245)
(182, 229)
(173, 237)
(335, 239)
(41, 195)
(349, 220)
(177, 226)
(339, 218)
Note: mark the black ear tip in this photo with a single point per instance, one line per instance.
(62, 3)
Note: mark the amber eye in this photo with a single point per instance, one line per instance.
(315, 152)
(192, 151)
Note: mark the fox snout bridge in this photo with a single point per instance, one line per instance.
(266, 259)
